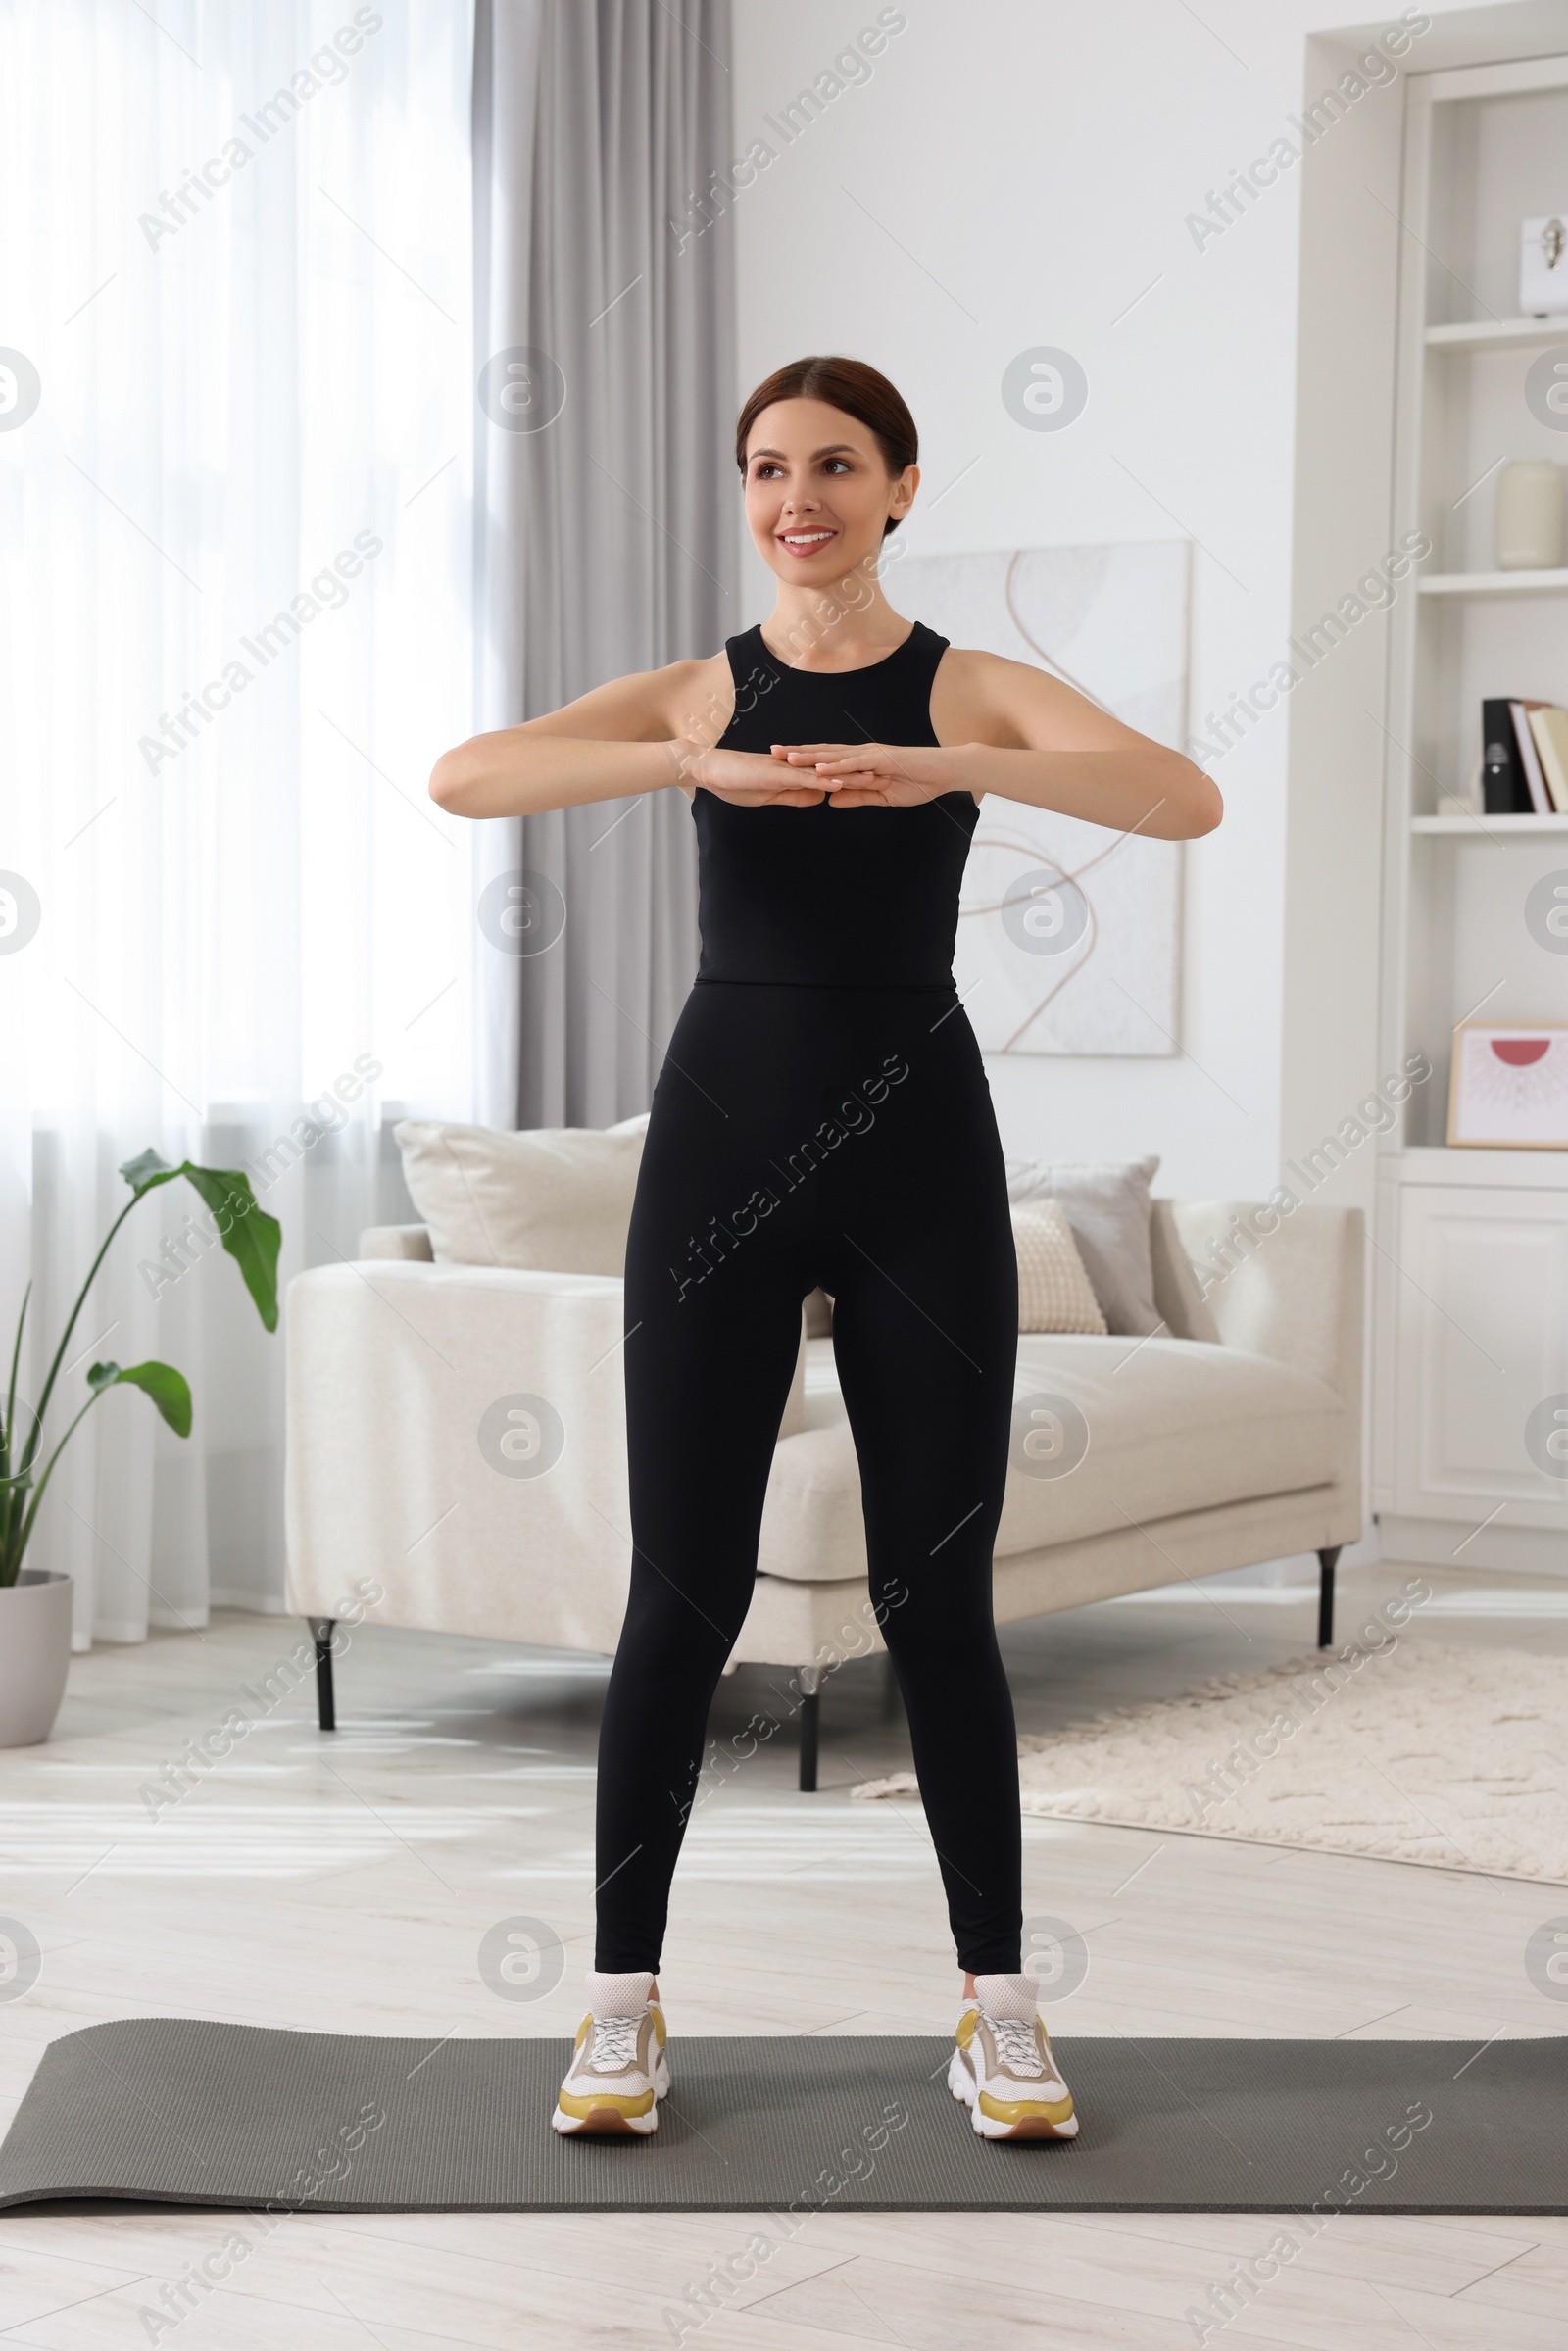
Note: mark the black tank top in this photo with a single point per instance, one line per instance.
(825, 897)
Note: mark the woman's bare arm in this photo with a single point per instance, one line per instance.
(1047, 745)
(1009, 728)
(631, 735)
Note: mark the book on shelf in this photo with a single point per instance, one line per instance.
(1549, 726)
(1524, 757)
(1530, 756)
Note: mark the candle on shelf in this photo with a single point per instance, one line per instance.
(1528, 516)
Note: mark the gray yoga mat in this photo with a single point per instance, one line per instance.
(170, 2110)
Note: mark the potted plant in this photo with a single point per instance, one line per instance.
(35, 1602)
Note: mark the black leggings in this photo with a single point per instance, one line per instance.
(840, 1137)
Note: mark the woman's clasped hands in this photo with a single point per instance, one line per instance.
(801, 776)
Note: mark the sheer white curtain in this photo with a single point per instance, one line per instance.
(236, 408)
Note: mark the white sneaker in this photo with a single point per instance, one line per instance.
(1004, 2068)
(618, 2071)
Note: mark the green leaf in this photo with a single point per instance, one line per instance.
(169, 1388)
(251, 1236)
(147, 1173)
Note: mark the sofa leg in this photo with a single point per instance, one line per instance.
(1325, 1595)
(322, 1635)
(810, 1707)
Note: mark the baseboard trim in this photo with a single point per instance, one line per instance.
(1451, 1542)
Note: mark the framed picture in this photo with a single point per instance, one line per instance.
(1069, 934)
(1509, 1087)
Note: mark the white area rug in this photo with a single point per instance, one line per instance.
(1414, 1751)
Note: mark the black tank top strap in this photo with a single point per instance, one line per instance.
(921, 651)
(751, 666)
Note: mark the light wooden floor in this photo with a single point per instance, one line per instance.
(346, 1886)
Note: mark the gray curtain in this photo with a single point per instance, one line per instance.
(605, 510)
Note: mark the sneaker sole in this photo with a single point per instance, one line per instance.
(607, 2122)
(961, 2082)
(1034, 2127)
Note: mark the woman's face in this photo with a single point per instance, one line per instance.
(819, 491)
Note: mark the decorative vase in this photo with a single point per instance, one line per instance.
(35, 1653)
(1528, 516)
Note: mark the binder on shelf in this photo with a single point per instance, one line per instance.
(1503, 787)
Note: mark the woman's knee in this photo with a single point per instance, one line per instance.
(668, 1633)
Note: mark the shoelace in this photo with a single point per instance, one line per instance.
(614, 2044)
(1016, 2046)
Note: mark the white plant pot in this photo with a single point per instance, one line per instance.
(35, 1653)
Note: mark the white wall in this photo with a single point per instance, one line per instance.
(1017, 173)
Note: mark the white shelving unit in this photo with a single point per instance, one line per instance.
(1498, 334)
(1494, 583)
(1470, 1302)
(1489, 829)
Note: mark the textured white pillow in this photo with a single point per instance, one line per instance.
(1054, 1290)
(552, 1199)
(1108, 1207)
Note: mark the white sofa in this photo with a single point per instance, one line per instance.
(1230, 1437)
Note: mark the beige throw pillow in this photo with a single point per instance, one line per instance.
(1054, 1290)
(552, 1199)
(1108, 1205)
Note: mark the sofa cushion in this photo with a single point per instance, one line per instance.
(1054, 1290)
(1172, 1425)
(1103, 1436)
(1178, 1293)
(551, 1199)
(1108, 1207)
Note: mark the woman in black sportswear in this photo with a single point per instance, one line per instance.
(822, 1119)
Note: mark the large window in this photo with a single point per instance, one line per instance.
(236, 428)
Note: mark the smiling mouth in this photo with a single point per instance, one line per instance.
(805, 542)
